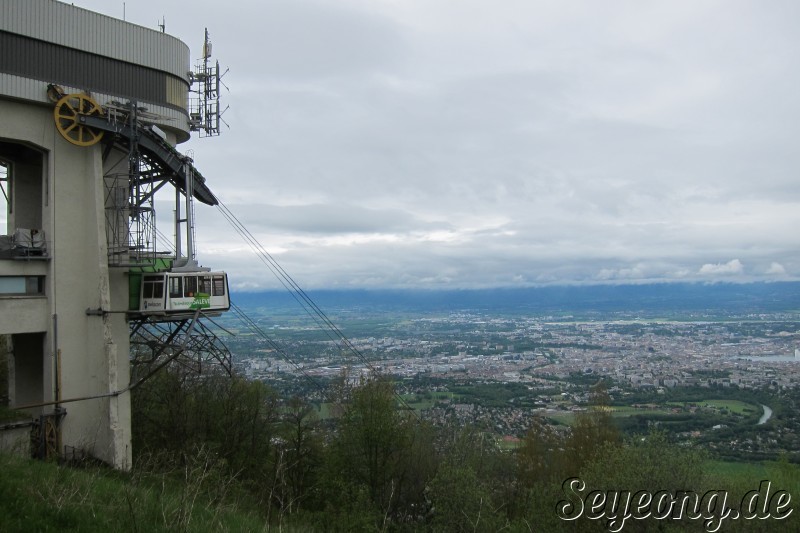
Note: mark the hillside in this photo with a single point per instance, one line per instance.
(40, 496)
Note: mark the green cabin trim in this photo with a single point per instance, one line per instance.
(135, 279)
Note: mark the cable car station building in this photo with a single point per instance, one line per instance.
(91, 108)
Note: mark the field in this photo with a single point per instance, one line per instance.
(733, 406)
(714, 411)
(421, 402)
(739, 479)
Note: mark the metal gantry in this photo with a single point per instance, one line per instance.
(139, 162)
(187, 342)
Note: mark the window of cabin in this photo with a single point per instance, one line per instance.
(153, 287)
(219, 285)
(204, 284)
(190, 286)
(176, 287)
(158, 288)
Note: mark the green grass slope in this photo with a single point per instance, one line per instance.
(39, 496)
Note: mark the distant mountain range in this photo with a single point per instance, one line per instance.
(647, 300)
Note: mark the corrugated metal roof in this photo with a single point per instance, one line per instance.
(79, 28)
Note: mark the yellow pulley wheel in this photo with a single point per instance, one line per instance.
(68, 112)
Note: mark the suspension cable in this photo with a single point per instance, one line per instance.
(255, 328)
(305, 301)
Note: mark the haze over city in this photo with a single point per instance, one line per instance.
(463, 144)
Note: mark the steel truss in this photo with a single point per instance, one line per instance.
(130, 213)
(187, 342)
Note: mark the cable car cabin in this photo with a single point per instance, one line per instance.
(184, 293)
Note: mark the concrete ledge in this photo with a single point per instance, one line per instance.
(16, 267)
(15, 438)
(23, 314)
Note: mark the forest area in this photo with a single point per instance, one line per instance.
(375, 466)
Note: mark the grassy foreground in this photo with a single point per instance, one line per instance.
(39, 496)
(42, 497)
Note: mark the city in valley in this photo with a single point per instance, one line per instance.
(724, 378)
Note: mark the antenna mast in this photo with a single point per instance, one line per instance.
(204, 109)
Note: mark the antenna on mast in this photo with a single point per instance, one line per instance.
(204, 108)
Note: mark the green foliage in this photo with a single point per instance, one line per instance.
(649, 462)
(379, 452)
(175, 414)
(548, 456)
(738, 479)
(462, 501)
(475, 487)
(593, 429)
(39, 496)
(4, 359)
(222, 453)
(494, 394)
(298, 457)
(541, 456)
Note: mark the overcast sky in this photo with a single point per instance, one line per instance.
(462, 143)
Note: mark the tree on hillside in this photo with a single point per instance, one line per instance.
(546, 455)
(593, 429)
(298, 455)
(646, 463)
(649, 462)
(379, 451)
(475, 487)
(540, 456)
(461, 501)
(175, 413)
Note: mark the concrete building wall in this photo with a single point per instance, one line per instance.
(16, 441)
(58, 187)
(93, 350)
(174, 122)
(23, 314)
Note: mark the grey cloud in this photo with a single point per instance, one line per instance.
(731, 268)
(473, 144)
(326, 219)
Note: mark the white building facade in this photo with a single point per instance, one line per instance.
(64, 292)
